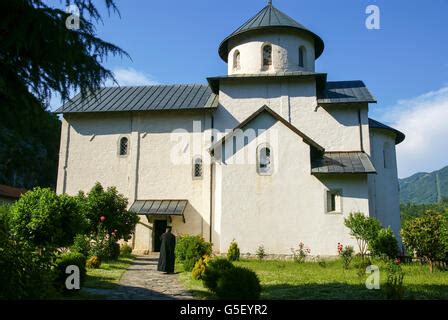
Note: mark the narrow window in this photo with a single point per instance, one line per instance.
(123, 147)
(197, 168)
(264, 163)
(237, 60)
(387, 155)
(302, 55)
(334, 201)
(267, 56)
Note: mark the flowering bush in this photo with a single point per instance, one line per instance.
(301, 253)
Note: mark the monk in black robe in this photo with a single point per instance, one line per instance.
(166, 258)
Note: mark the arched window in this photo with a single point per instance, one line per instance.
(236, 60)
(302, 56)
(123, 147)
(267, 56)
(197, 167)
(264, 160)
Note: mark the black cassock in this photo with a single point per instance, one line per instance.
(166, 259)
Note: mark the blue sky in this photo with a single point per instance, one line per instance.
(177, 42)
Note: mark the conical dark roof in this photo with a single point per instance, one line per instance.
(270, 18)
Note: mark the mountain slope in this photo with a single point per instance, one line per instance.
(425, 187)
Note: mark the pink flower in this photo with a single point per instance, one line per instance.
(397, 261)
(102, 218)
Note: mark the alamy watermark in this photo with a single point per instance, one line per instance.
(73, 20)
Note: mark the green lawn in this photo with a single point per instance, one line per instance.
(108, 275)
(291, 280)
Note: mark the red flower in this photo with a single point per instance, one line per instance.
(102, 218)
(397, 261)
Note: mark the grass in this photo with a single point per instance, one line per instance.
(108, 275)
(286, 280)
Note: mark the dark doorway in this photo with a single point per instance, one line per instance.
(159, 229)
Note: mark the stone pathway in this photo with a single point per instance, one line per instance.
(142, 281)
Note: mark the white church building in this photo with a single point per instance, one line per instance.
(269, 154)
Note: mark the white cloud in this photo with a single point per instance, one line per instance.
(131, 77)
(424, 120)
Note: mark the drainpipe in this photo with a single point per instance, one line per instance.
(360, 130)
(211, 183)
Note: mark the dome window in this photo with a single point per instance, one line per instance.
(267, 56)
(236, 60)
(302, 56)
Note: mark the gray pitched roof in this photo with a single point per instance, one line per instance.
(342, 162)
(345, 92)
(400, 136)
(270, 18)
(144, 98)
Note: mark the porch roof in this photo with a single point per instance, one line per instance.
(160, 208)
(343, 162)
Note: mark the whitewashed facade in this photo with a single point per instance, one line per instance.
(275, 187)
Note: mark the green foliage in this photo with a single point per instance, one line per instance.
(94, 262)
(190, 249)
(199, 267)
(45, 219)
(68, 259)
(81, 244)
(125, 250)
(110, 205)
(25, 274)
(363, 228)
(214, 271)
(346, 255)
(261, 253)
(238, 283)
(34, 53)
(412, 210)
(233, 254)
(394, 287)
(427, 237)
(385, 244)
(300, 254)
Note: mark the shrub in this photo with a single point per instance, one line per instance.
(300, 254)
(384, 244)
(44, 219)
(81, 244)
(394, 285)
(426, 236)
(261, 253)
(125, 250)
(106, 249)
(69, 259)
(94, 262)
(363, 228)
(107, 209)
(190, 249)
(199, 267)
(346, 254)
(238, 283)
(233, 254)
(213, 271)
